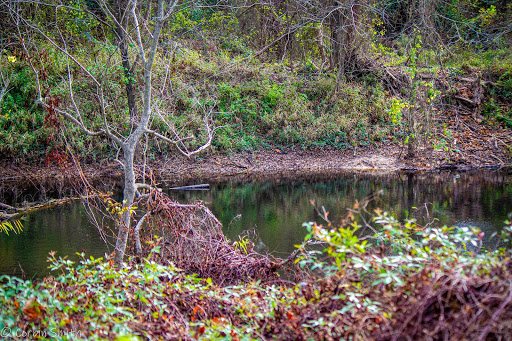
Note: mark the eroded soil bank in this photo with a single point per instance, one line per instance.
(249, 166)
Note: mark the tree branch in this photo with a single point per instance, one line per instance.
(136, 230)
(179, 140)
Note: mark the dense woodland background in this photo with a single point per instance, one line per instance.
(301, 74)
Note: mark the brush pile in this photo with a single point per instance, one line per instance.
(192, 239)
(451, 306)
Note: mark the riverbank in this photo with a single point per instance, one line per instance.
(459, 143)
(262, 163)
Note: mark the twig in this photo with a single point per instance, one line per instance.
(293, 255)
(430, 221)
(136, 235)
(506, 145)
(497, 158)
(474, 130)
(496, 315)
(8, 207)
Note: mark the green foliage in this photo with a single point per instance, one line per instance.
(504, 85)
(410, 248)
(395, 111)
(287, 96)
(474, 22)
(357, 280)
(15, 226)
(506, 233)
(497, 105)
(273, 96)
(341, 244)
(242, 244)
(24, 129)
(256, 107)
(492, 110)
(103, 311)
(21, 123)
(292, 113)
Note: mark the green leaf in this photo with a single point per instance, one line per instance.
(127, 338)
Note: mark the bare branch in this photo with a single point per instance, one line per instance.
(77, 122)
(137, 31)
(148, 187)
(179, 141)
(57, 46)
(136, 234)
(5, 87)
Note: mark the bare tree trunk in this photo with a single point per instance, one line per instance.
(428, 9)
(413, 141)
(128, 198)
(337, 39)
(477, 96)
(422, 15)
(127, 68)
(321, 44)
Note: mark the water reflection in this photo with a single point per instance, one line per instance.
(276, 208)
(65, 229)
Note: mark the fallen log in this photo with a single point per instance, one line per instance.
(29, 208)
(201, 187)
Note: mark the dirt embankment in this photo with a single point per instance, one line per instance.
(258, 165)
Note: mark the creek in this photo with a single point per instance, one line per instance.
(274, 209)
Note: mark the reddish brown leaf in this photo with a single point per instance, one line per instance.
(33, 310)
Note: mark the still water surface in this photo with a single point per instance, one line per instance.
(275, 209)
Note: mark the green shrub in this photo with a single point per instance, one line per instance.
(399, 279)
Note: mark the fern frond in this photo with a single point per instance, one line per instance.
(7, 226)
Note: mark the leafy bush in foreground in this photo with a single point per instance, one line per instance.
(404, 281)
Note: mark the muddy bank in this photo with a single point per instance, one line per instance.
(244, 165)
(264, 164)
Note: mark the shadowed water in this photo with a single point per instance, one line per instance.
(276, 208)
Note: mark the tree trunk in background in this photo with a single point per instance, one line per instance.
(127, 68)
(422, 16)
(321, 44)
(428, 10)
(346, 37)
(412, 132)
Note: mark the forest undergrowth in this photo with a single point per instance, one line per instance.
(272, 106)
(344, 282)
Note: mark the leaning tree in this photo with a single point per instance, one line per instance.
(107, 53)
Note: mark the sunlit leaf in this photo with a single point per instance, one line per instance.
(127, 338)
